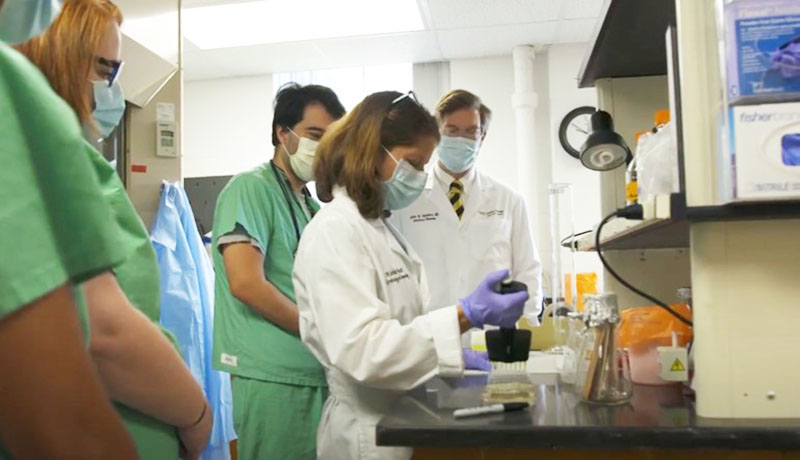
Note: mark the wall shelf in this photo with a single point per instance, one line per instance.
(628, 41)
(745, 211)
(668, 221)
(646, 234)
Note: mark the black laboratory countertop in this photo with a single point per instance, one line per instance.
(656, 417)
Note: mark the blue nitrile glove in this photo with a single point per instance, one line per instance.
(484, 306)
(787, 61)
(476, 360)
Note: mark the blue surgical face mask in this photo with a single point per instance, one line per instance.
(109, 106)
(405, 185)
(458, 154)
(21, 20)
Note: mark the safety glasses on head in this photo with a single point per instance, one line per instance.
(409, 95)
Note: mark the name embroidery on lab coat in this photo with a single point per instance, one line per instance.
(427, 217)
(395, 276)
(496, 212)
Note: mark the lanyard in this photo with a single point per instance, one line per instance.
(288, 198)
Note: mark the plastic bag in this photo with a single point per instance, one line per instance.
(657, 163)
(653, 326)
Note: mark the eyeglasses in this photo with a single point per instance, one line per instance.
(115, 67)
(471, 133)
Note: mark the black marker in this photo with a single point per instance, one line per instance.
(493, 409)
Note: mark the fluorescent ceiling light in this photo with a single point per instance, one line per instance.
(277, 21)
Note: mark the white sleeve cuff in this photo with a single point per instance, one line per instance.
(447, 340)
(533, 320)
(231, 238)
(533, 308)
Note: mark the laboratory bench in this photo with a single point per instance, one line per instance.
(658, 423)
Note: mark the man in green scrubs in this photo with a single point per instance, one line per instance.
(278, 386)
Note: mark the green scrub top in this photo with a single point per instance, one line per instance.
(54, 222)
(138, 277)
(55, 225)
(245, 343)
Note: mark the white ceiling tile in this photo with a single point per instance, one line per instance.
(578, 9)
(575, 30)
(461, 29)
(248, 60)
(194, 3)
(457, 14)
(474, 43)
(320, 54)
(394, 48)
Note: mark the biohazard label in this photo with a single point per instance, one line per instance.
(677, 366)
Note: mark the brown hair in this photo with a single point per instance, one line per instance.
(351, 153)
(65, 53)
(458, 99)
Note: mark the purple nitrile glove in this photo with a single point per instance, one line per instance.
(787, 61)
(790, 149)
(476, 360)
(484, 306)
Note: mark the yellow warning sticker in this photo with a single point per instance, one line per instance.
(677, 366)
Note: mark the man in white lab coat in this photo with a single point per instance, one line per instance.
(466, 225)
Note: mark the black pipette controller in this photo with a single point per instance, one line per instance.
(508, 345)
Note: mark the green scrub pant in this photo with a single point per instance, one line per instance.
(276, 420)
(154, 440)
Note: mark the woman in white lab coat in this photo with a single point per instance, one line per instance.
(361, 289)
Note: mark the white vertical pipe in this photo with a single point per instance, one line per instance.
(534, 166)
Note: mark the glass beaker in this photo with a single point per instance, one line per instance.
(569, 365)
(606, 379)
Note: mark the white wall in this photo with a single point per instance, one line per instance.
(493, 80)
(227, 125)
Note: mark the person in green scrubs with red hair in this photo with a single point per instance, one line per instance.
(162, 406)
(54, 234)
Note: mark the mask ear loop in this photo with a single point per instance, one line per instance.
(283, 145)
(390, 155)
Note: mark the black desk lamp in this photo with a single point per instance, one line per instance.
(604, 149)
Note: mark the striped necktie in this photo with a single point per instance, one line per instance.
(456, 188)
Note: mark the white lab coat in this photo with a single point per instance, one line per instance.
(493, 234)
(360, 297)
